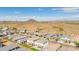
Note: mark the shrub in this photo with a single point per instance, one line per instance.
(77, 43)
(61, 29)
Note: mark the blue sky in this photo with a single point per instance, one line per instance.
(39, 13)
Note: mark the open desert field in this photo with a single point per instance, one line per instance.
(69, 28)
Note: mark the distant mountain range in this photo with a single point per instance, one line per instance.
(33, 21)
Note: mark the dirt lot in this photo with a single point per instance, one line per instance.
(53, 46)
(68, 48)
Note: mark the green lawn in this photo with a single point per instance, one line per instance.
(34, 49)
(27, 46)
(30, 47)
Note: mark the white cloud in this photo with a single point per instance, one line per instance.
(70, 9)
(76, 15)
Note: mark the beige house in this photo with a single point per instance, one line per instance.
(41, 44)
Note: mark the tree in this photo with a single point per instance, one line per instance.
(57, 39)
(77, 43)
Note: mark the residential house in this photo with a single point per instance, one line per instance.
(22, 31)
(41, 44)
(16, 37)
(31, 40)
(9, 47)
(63, 38)
(22, 40)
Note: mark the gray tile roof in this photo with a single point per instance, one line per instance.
(6, 48)
(23, 40)
(21, 49)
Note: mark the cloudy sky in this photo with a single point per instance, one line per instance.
(38, 13)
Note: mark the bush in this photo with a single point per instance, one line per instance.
(57, 39)
(77, 43)
(61, 29)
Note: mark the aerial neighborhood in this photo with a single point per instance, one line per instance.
(16, 39)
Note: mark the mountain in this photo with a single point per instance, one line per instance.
(32, 20)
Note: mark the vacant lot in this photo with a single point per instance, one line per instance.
(68, 48)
